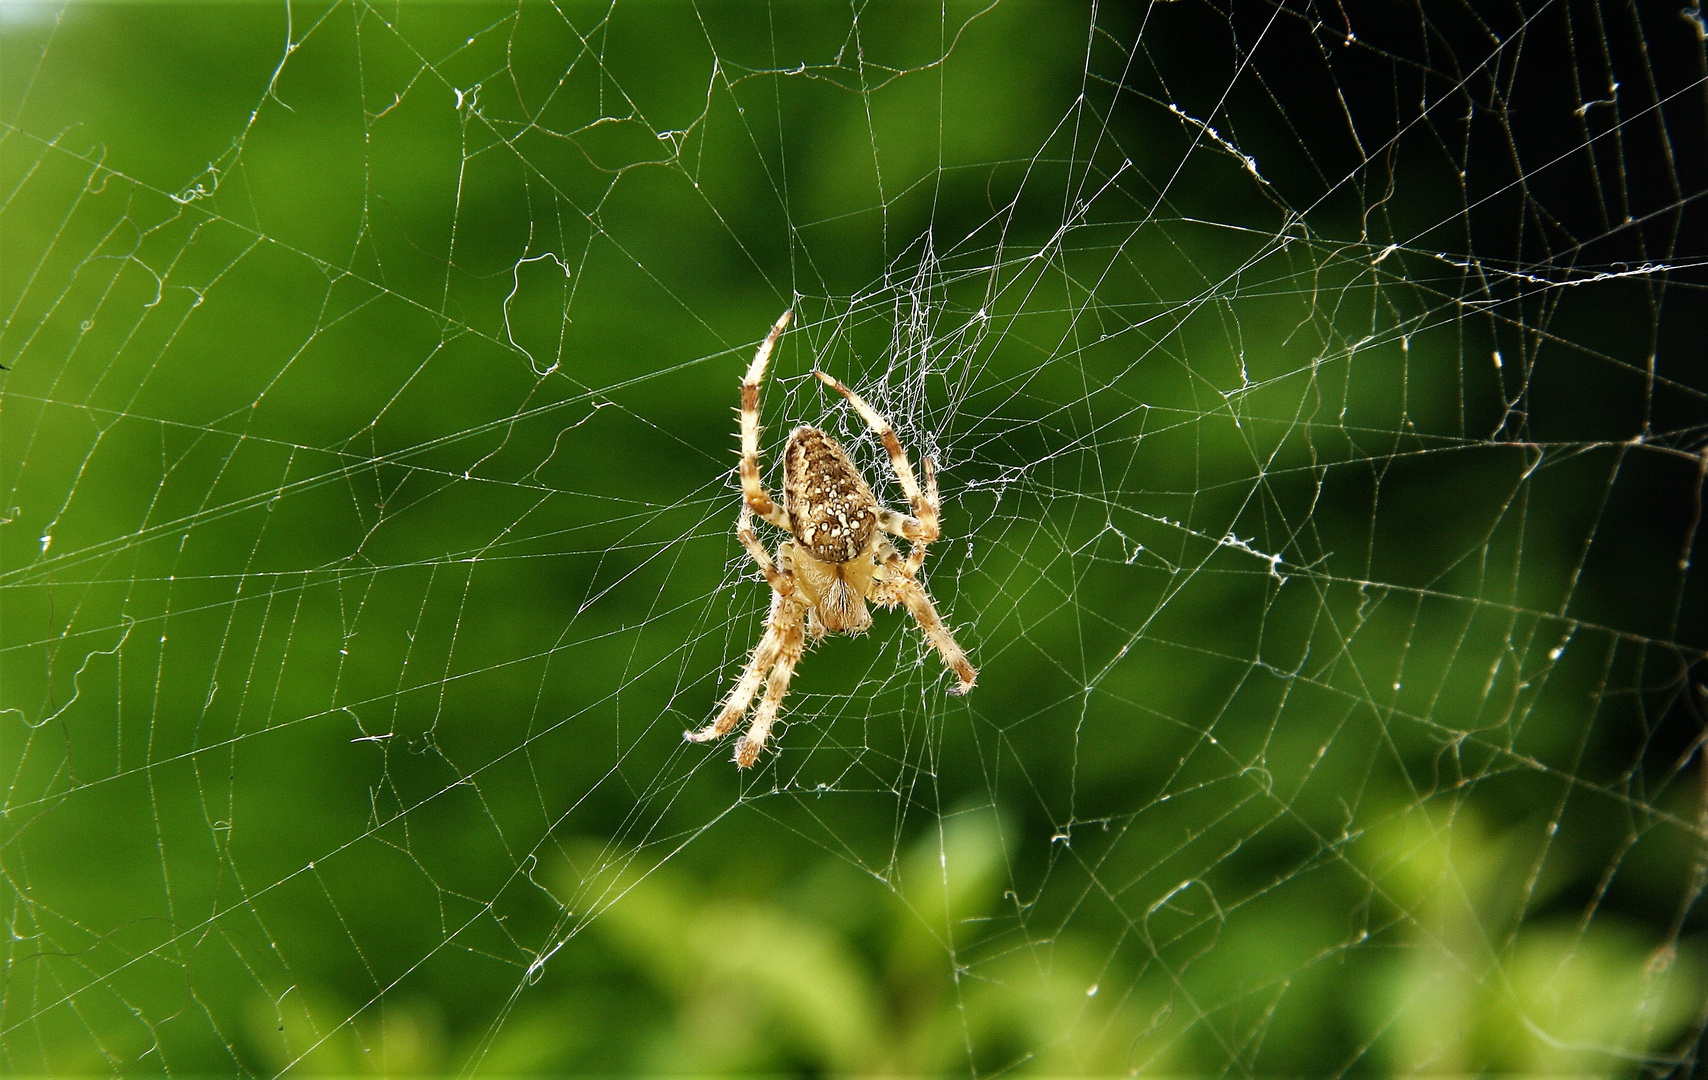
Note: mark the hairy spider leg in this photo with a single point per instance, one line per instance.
(780, 578)
(753, 492)
(916, 556)
(900, 587)
(785, 613)
(923, 527)
(790, 644)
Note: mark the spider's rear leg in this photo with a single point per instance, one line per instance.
(923, 527)
(753, 492)
(916, 557)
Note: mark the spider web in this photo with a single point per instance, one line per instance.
(1317, 399)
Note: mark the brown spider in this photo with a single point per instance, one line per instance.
(839, 556)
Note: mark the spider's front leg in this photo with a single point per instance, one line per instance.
(776, 655)
(791, 642)
(771, 645)
(897, 586)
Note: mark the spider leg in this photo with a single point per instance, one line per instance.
(790, 645)
(916, 557)
(923, 526)
(900, 587)
(764, 656)
(753, 492)
(781, 580)
(784, 610)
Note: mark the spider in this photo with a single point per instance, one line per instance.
(839, 554)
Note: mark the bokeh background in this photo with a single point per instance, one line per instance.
(1318, 398)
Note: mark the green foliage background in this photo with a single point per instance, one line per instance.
(1320, 522)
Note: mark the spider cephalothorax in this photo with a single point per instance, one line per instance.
(839, 555)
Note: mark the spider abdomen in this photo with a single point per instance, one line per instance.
(831, 509)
